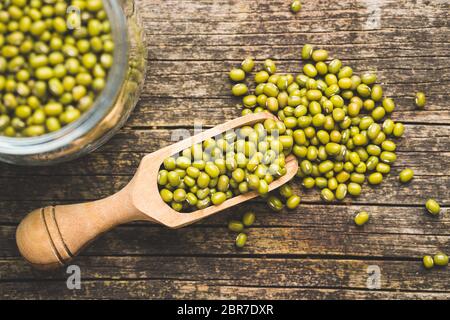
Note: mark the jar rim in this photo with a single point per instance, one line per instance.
(102, 104)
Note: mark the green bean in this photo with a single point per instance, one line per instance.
(354, 189)
(275, 203)
(420, 100)
(333, 67)
(191, 199)
(248, 64)
(398, 130)
(270, 66)
(307, 51)
(322, 69)
(361, 218)
(378, 113)
(345, 72)
(203, 203)
(23, 112)
(261, 77)
(388, 145)
(235, 226)
(218, 198)
(179, 195)
(237, 74)
(241, 240)
(375, 178)
(376, 93)
(309, 182)
(440, 259)
(70, 116)
(428, 262)
(296, 6)
(239, 89)
(248, 219)
(341, 191)
(52, 124)
(286, 191)
(310, 70)
(388, 157)
(327, 195)
(383, 168)
(293, 202)
(388, 105)
(406, 175)
(319, 55)
(433, 207)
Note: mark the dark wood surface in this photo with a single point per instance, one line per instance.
(313, 253)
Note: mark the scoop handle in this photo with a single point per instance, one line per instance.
(50, 237)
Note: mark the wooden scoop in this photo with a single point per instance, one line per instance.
(50, 237)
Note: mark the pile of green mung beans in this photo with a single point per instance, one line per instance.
(53, 64)
(338, 126)
(236, 162)
(339, 121)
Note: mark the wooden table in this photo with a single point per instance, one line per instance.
(313, 253)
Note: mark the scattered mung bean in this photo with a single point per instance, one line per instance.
(440, 259)
(361, 218)
(433, 207)
(406, 175)
(420, 100)
(241, 240)
(248, 219)
(296, 6)
(428, 262)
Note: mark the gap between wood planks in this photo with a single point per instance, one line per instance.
(396, 272)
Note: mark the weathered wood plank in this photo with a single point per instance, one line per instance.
(312, 22)
(229, 17)
(195, 11)
(176, 289)
(266, 272)
(327, 239)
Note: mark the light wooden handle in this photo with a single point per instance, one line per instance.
(50, 237)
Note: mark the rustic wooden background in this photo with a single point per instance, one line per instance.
(315, 252)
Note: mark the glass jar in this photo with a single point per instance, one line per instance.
(111, 108)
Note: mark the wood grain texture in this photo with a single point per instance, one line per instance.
(314, 252)
(399, 278)
(305, 272)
